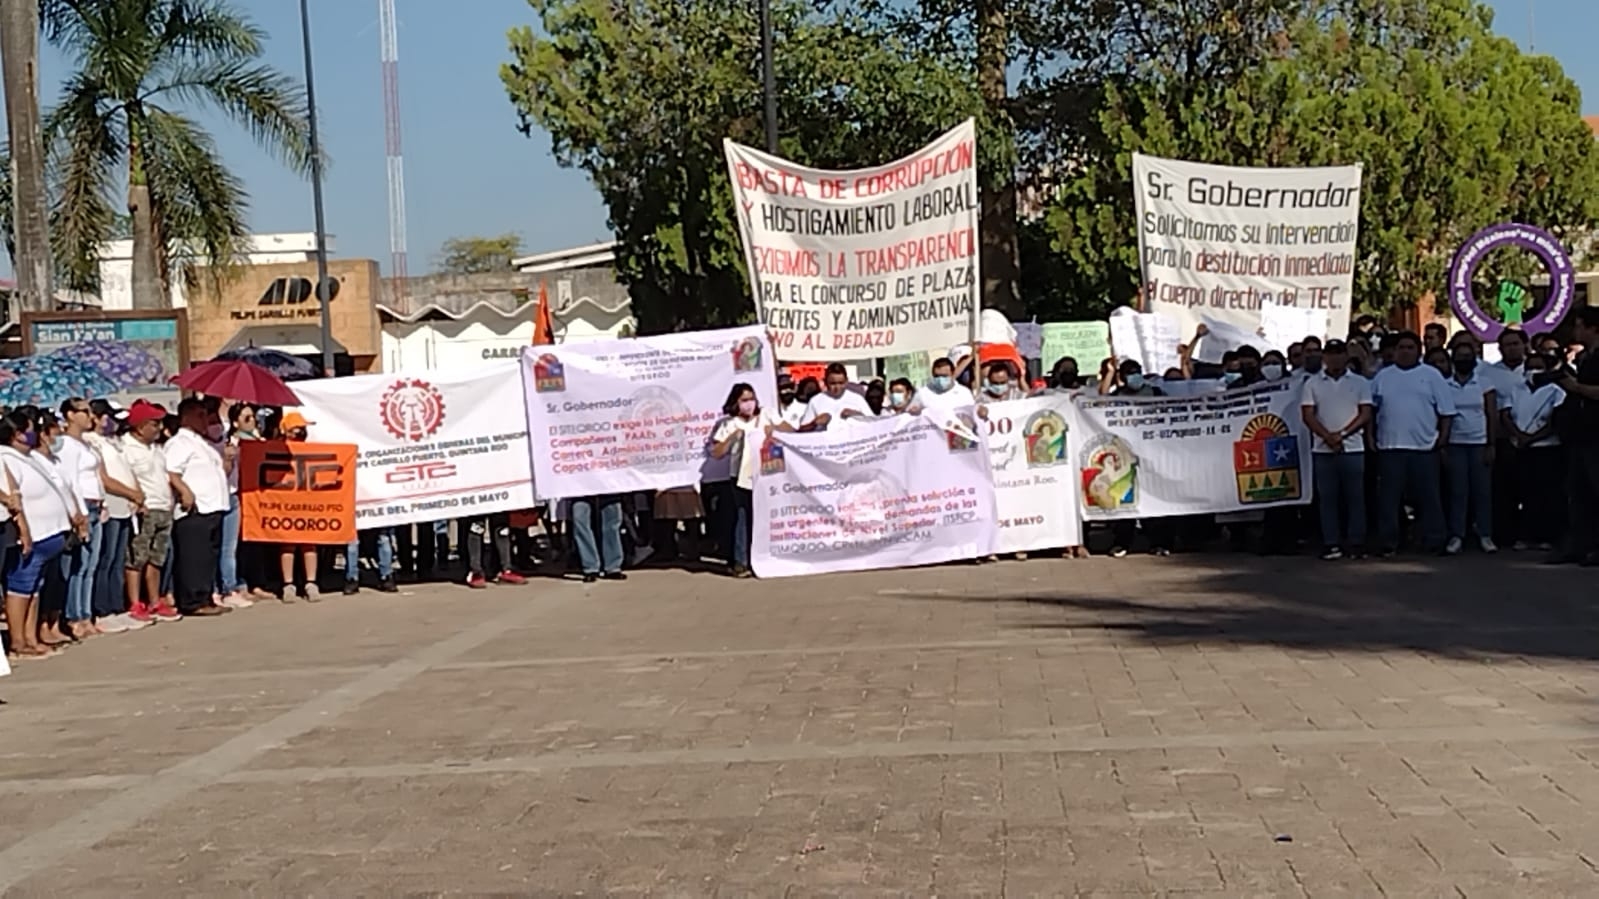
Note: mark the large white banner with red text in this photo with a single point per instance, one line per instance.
(883, 494)
(433, 445)
(617, 416)
(865, 262)
(1030, 453)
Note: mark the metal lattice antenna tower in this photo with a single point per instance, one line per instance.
(390, 42)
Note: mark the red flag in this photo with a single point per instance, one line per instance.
(543, 328)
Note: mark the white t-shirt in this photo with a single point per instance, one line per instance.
(193, 458)
(1532, 410)
(942, 406)
(117, 469)
(1409, 403)
(82, 464)
(149, 465)
(1470, 427)
(794, 413)
(1336, 402)
(43, 492)
(745, 453)
(823, 404)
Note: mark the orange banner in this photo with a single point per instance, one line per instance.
(296, 492)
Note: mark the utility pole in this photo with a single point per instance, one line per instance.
(768, 77)
(324, 292)
(19, 64)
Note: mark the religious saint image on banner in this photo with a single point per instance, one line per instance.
(549, 375)
(1266, 461)
(1045, 433)
(747, 355)
(961, 433)
(1109, 474)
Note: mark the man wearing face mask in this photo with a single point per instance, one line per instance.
(1065, 376)
(1311, 362)
(999, 385)
(836, 402)
(942, 396)
(790, 407)
(1249, 364)
(900, 391)
(1133, 382)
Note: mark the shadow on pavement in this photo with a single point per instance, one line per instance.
(1455, 607)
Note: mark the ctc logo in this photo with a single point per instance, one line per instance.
(300, 472)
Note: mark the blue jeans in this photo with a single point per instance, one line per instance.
(1413, 475)
(110, 596)
(352, 556)
(1341, 498)
(739, 518)
(166, 572)
(79, 569)
(610, 542)
(1470, 490)
(228, 580)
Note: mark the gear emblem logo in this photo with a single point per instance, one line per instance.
(412, 409)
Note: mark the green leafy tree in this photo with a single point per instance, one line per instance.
(1454, 127)
(475, 255)
(640, 93)
(138, 66)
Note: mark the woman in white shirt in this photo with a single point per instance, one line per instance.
(42, 527)
(120, 487)
(80, 465)
(54, 590)
(739, 438)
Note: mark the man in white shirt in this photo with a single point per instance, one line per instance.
(1336, 406)
(789, 406)
(942, 396)
(1414, 409)
(200, 479)
(835, 404)
(152, 522)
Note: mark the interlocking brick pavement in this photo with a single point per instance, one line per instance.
(1200, 724)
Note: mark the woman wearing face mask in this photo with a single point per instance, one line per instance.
(1000, 383)
(900, 391)
(80, 465)
(738, 438)
(53, 592)
(1273, 366)
(233, 590)
(1064, 376)
(45, 520)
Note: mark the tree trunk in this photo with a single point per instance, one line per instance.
(19, 56)
(146, 280)
(1001, 254)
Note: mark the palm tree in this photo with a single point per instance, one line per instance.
(138, 62)
(27, 206)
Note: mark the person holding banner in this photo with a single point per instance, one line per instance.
(942, 395)
(294, 428)
(738, 438)
(836, 401)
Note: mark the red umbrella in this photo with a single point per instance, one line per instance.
(236, 380)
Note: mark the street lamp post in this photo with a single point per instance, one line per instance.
(768, 77)
(323, 293)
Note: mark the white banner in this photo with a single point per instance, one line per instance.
(433, 445)
(1223, 242)
(1029, 445)
(867, 262)
(617, 416)
(898, 491)
(1241, 450)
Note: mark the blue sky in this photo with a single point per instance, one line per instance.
(469, 171)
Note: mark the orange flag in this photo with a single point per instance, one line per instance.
(543, 328)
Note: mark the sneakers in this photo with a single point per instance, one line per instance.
(387, 585)
(141, 613)
(352, 587)
(1118, 552)
(1488, 546)
(120, 624)
(312, 593)
(235, 601)
(165, 611)
(1332, 554)
(613, 576)
(1453, 547)
(477, 582)
(510, 577)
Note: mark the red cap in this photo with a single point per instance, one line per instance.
(142, 411)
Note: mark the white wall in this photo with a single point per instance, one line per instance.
(116, 264)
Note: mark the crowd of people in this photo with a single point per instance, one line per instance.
(113, 519)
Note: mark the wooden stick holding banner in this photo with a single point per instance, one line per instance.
(297, 493)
